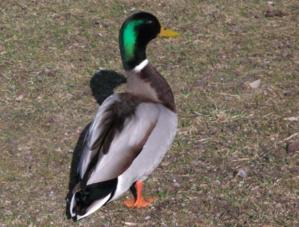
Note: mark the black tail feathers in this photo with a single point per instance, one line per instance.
(85, 197)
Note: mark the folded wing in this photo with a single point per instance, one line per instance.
(116, 136)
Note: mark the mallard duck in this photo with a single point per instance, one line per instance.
(131, 131)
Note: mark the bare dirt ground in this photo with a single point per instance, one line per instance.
(235, 75)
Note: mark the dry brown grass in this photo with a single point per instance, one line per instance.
(228, 165)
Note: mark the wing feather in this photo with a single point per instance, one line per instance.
(116, 137)
(96, 129)
(127, 144)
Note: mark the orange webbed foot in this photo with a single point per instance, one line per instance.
(139, 203)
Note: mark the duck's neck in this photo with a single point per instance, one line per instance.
(141, 66)
(132, 47)
(132, 58)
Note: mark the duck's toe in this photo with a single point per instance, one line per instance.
(139, 203)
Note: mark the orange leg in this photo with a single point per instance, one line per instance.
(139, 201)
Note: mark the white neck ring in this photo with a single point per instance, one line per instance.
(141, 66)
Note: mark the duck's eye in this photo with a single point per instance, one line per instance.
(149, 22)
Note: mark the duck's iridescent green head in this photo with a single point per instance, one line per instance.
(136, 32)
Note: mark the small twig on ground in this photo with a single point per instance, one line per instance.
(290, 137)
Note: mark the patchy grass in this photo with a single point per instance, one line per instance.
(228, 165)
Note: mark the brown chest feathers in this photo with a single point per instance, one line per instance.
(149, 84)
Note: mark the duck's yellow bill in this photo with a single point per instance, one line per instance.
(168, 33)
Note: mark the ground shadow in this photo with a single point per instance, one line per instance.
(102, 84)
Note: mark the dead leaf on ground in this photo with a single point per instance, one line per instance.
(275, 13)
(255, 84)
(293, 147)
(20, 98)
(291, 118)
